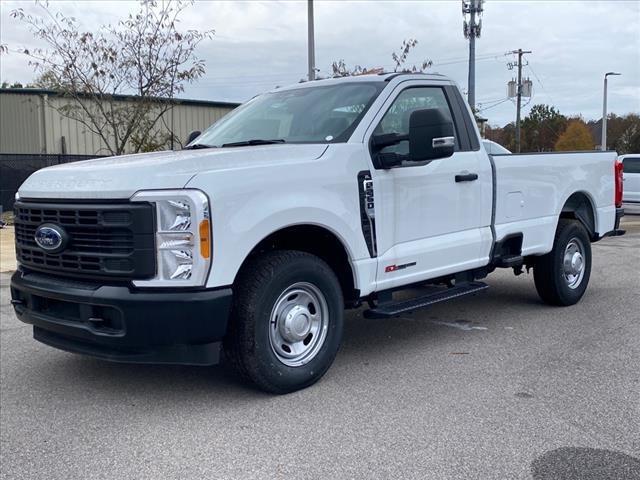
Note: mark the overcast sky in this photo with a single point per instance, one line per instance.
(259, 45)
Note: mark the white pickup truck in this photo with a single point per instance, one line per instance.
(303, 201)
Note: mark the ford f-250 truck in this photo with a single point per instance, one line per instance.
(303, 201)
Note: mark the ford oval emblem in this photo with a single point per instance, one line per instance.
(50, 238)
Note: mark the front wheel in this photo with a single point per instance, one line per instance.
(562, 275)
(287, 320)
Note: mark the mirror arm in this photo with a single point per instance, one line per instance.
(389, 160)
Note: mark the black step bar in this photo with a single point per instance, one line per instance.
(391, 309)
(510, 261)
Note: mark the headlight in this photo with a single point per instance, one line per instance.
(183, 237)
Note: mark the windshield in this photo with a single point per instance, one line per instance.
(322, 114)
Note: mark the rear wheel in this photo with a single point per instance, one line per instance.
(287, 319)
(562, 275)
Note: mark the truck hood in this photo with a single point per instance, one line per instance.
(122, 176)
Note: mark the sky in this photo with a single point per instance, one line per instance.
(263, 44)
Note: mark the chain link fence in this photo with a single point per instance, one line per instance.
(16, 167)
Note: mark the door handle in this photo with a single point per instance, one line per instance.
(466, 177)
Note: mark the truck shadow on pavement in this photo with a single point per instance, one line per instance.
(365, 342)
(573, 463)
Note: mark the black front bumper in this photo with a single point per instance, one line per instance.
(118, 323)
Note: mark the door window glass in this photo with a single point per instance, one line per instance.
(396, 120)
(631, 165)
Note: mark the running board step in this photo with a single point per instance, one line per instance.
(391, 309)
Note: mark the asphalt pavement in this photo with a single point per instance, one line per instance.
(497, 386)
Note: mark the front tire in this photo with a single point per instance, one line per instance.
(562, 275)
(287, 321)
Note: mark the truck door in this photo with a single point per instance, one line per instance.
(432, 218)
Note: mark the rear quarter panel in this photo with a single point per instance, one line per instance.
(532, 189)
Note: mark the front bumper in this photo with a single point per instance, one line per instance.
(117, 323)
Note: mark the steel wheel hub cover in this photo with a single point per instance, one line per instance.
(298, 324)
(573, 264)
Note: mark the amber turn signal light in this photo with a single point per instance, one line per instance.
(205, 238)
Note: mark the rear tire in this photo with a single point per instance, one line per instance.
(286, 322)
(562, 275)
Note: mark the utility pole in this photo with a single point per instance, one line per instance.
(471, 30)
(311, 42)
(520, 53)
(603, 142)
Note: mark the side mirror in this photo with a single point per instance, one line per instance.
(192, 136)
(383, 140)
(386, 140)
(430, 135)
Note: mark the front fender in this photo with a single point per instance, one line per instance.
(244, 213)
(246, 229)
(249, 204)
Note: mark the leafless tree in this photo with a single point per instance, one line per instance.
(340, 69)
(144, 55)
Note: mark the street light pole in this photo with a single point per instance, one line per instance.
(311, 42)
(603, 142)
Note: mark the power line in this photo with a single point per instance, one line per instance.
(256, 76)
(540, 82)
(534, 74)
(482, 108)
(493, 100)
(490, 102)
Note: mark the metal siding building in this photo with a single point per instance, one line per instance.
(30, 123)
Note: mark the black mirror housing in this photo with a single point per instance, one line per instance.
(386, 140)
(431, 135)
(192, 136)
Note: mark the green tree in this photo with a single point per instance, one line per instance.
(575, 137)
(542, 128)
(623, 132)
(505, 136)
(6, 84)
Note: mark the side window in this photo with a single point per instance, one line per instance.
(396, 120)
(631, 165)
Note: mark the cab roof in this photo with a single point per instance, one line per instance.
(370, 77)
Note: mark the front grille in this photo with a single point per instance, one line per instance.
(105, 240)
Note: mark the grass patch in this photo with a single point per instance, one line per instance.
(7, 218)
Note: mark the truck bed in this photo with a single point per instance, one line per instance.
(531, 189)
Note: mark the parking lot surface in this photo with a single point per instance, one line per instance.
(497, 386)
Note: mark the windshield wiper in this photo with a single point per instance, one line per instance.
(255, 141)
(198, 146)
